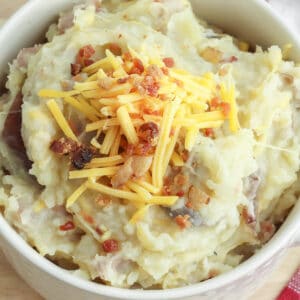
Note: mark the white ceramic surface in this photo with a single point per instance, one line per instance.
(252, 20)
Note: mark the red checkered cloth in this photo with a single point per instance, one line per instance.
(292, 290)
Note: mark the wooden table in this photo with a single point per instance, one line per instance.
(12, 287)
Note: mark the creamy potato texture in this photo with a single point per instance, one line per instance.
(231, 187)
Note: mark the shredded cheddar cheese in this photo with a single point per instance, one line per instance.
(60, 119)
(116, 107)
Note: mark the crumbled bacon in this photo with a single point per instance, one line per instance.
(149, 86)
(209, 132)
(137, 68)
(67, 226)
(169, 62)
(214, 103)
(165, 70)
(88, 62)
(225, 107)
(180, 193)
(75, 69)
(110, 246)
(114, 48)
(127, 56)
(143, 148)
(84, 55)
(99, 231)
(149, 132)
(183, 221)
(81, 156)
(63, 146)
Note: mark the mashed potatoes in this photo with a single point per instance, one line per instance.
(142, 148)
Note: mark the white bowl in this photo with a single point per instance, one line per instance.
(252, 20)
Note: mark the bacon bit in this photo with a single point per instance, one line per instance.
(89, 219)
(149, 132)
(214, 103)
(150, 111)
(183, 221)
(88, 62)
(189, 204)
(150, 86)
(63, 146)
(225, 107)
(81, 156)
(165, 70)
(84, 54)
(122, 80)
(169, 62)
(99, 231)
(211, 55)
(180, 193)
(114, 48)
(110, 246)
(209, 132)
(166, 190)
(101, 201)
(138, 67)
(75, 69)
(127, 56)
(67, 226)
(143, 149)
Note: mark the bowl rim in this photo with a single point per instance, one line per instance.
(283, 236)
